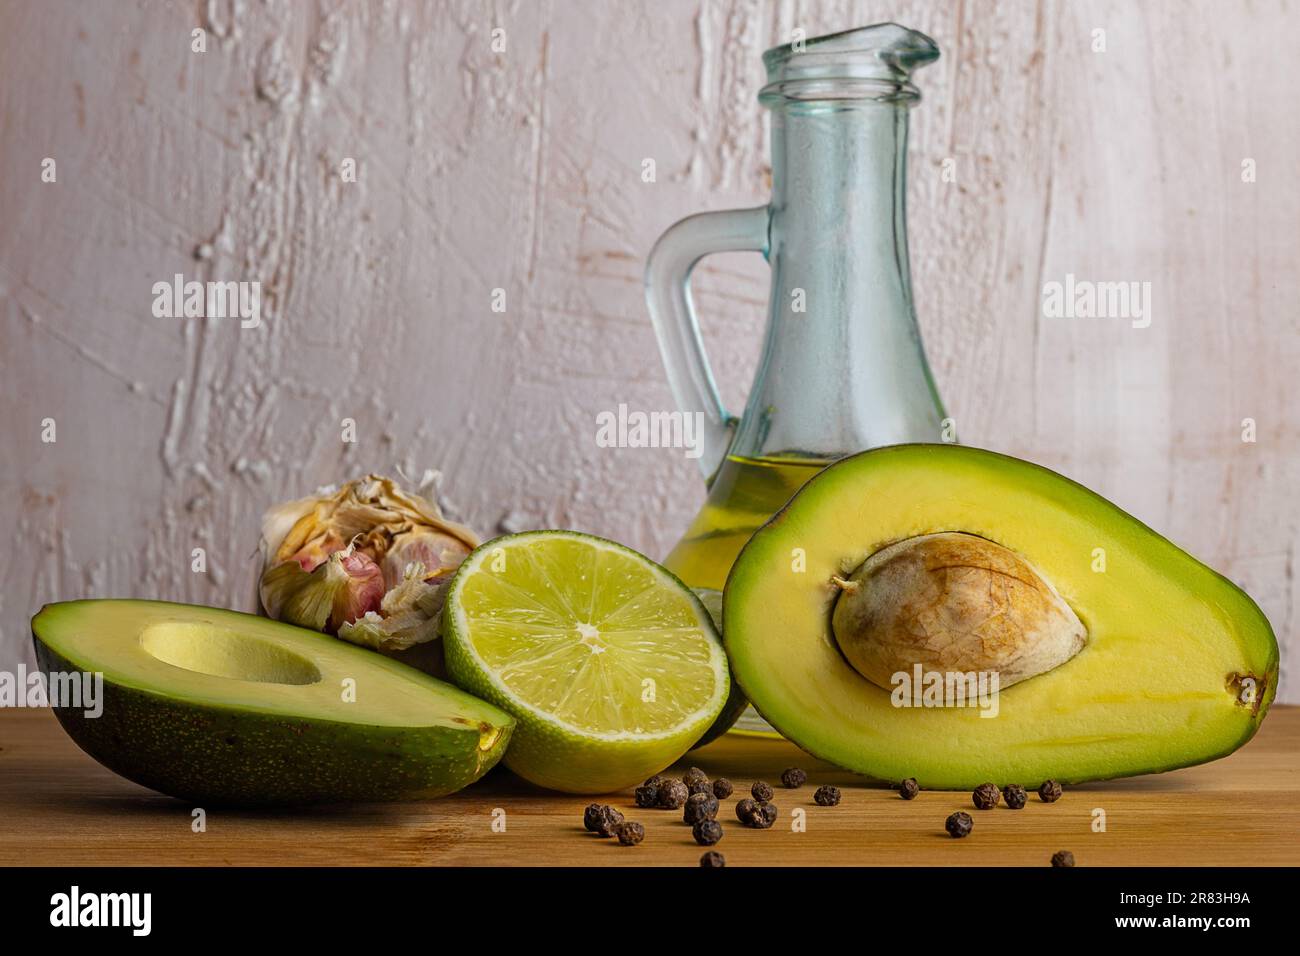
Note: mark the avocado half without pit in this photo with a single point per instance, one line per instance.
(958, 616)
(222, 708)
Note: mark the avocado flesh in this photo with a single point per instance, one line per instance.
(1157, 687)
(222, 708)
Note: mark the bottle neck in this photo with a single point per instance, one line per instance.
(842, 368)
(839, 188)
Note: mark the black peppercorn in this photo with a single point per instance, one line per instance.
(601, 819)
(707, 832)
(1050, 791)
(959, 824)
(908, 788)
(647, 795)
(762, 791)
(700, 806)
(693, 776)
(699, 786)
(1062, 858)
(746, 810)
(722, 788)
(761, 817)
(630, 834)
(655, 781)
(985, 796)
(713, 860)
(672, 794)
(827, 796)
(793, 778)
(756, 814)
(1015, 796)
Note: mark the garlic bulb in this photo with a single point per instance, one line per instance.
(365, 562)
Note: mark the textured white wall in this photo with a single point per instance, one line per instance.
(521, 170)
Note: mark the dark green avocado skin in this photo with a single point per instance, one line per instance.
(209, 756)
(731, 710)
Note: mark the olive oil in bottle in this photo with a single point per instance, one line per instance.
(742, 496)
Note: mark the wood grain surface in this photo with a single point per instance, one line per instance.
(1036, 153)
(57, 806)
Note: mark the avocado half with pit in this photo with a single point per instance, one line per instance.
(222, 708)
(959, 616)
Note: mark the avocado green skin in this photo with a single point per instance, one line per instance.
(732, 708)
(736, 701)
(214, 757)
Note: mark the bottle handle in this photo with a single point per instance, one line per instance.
(668, 295)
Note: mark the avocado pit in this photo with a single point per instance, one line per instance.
(952, 602)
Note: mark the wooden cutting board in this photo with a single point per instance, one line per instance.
(57, 806)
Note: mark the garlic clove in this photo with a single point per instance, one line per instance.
(408, 615)
(281, 592)
(362, 588)
(343, 588)
(439, 553)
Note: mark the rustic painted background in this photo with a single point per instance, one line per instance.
(521, 170)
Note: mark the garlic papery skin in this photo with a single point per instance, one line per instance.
(373, 513)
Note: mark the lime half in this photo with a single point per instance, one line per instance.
(611, 665)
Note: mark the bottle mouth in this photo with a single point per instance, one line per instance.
(867, 63)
